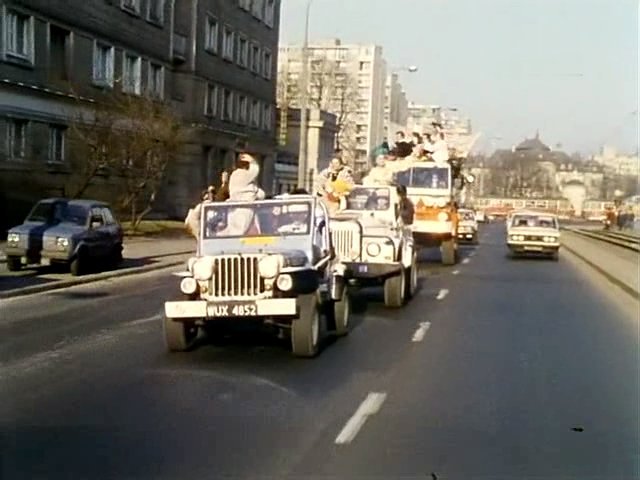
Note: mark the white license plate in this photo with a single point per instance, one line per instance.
(235, 309)
(533, 249)
(45, 262)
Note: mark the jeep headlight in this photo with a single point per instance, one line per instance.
(269, 266)
(62, 243)
(13, 238)
(188, 285)
(203, 269)
(373, 249)
(284, 282)
(443, 216)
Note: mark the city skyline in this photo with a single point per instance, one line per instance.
(541, 56)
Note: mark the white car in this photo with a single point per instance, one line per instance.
(533, 233)
(467, 226)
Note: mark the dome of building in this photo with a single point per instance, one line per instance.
(533, 145)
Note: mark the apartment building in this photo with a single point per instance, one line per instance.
(212, 61)
(346, 80)
(396, 108)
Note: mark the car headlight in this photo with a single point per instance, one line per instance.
(62, 242)
(203, 269)
(13, 238)
(443, 216)
(373, 249)
(284, 283)
(188, 285)
(269, 266)
(550, 239)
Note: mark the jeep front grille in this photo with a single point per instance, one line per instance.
(236, 277)
(347, 240)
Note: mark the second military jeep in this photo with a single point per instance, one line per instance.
(374, 244)
(271, 261)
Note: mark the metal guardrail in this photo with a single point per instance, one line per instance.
(624, 240)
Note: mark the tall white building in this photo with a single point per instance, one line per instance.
(346, 80)
(421, 118)
(617, 163)
(396, 108)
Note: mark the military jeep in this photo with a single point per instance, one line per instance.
(269, 261)
(374, 244)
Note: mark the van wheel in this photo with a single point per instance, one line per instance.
(394, 291)
(14, 264)
(306, 330)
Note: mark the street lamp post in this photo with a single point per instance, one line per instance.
(304, 103)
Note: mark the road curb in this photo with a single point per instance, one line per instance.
(58, 285)
(619, 283)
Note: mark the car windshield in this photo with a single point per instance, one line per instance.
(48, 212)
(369, 199)
(436, 178)
(257, 220)
(469, 216)
(75, 214)
(534, 221)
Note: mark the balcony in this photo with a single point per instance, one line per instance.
(179, 54)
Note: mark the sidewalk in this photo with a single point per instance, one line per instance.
(621, 266)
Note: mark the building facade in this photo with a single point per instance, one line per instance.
(212, 61)
(321, 138)
(616, 163)
(346, 80)
(396, 107)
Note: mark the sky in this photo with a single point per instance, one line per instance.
(568, 68)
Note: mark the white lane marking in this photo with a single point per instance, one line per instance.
(421, 332)
(370, 406)
(465, 261)
(472, 254)
(142, 321)
(442, 293)
(455, 272)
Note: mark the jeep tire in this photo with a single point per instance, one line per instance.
(448, 252)
(395, 290)
(339, 313)
(179, 336)
(306, 330)
(411, 282)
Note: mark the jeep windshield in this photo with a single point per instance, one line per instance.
(362, 198)
(432, 178)
(269, 219)
(534, 221)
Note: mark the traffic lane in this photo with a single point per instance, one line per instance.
(40, 322)
(518, 355)
(114, 405)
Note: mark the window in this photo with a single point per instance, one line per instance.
(56, 144)
(270, 12)
(228, 37)
(103, 65)
(242, 110)
(131, 74)
(108, 216)
(59, 52)
(131, 6)
(211, 39)
(255, 113)
(255, 57)
(267, 64)
(155, 84)
(155, 11)
(227, 105)
(266, 118)
(243, 51)
(365, 66)
(211, 101)
(257, 8)
(245, 4)
(19, 35)
(16, 138)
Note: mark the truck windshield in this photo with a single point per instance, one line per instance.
(368, 199)
(270, 219)
(436, 178)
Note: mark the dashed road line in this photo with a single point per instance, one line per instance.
(370, 406)
(455, 272)
(442, 293)
(465, 261)
(142, 321)
(418, 336)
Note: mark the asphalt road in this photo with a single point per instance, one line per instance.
(497, 369)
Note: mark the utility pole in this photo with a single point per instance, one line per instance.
(304, 104)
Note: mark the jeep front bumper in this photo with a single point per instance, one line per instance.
(202, 309)
(361, 270)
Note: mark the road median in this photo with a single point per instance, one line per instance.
(618, 265)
